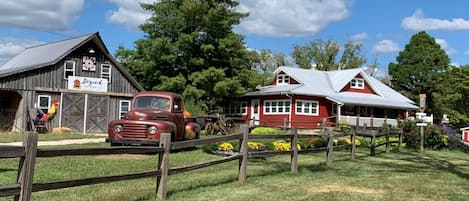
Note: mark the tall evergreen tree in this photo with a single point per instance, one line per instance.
(185, 40)
(418, 67)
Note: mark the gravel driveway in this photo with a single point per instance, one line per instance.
(61, 142)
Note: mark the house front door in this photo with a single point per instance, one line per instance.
(255, 112)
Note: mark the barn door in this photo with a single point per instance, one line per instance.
(73, 111)
(96, 115)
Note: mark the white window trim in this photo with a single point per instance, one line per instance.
(277, 101)
(285, 79)
(357, 80)
(65, 68)
(109, 74)
(120, 106)
(310, 108)
(39, 102)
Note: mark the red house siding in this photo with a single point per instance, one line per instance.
(297, 120)
(367, 88)
(310, 121)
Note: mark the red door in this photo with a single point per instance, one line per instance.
(466, 136)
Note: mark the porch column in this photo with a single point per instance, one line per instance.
(339, 106)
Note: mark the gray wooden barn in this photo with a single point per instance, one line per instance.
(92, 88)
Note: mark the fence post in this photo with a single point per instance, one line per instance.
(27, 167)
(323, 125)
(244, 151)
(399, 146)
(373, 143)
(330, 147)
(294, 155)
(162, 182)
(387, 140)
(352, 140)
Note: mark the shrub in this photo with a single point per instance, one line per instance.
(281, 145)
(266, 130)
(347, 141)
(344, 125)
(314, 143)
(436, 138)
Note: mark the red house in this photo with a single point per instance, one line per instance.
(303, 97)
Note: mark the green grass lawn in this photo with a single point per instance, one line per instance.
(432, 175)
(6, 137)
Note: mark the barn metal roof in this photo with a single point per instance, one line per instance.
(329, 83)
(44, 55)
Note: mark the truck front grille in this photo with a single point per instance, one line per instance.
(135, 131)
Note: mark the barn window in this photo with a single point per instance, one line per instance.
(357, 83)
(307, 107)
(277, 107)
(43, 103)
(69, 68)
(106, 72)
(283, 79)
(124, 107)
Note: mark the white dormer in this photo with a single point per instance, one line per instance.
(283, 79)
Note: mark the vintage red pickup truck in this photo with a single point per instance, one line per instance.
(152, 113)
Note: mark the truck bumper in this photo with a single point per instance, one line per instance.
(117, 141)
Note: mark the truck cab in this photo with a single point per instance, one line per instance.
(152, 113)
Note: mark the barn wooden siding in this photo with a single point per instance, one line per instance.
(49, 80)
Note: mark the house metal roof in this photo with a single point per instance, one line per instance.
(329, 83)
(44, 55)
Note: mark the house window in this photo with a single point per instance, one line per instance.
(238, 108)
(69, 68)
(277, 107)
(307, 107)
(334, 109)
(106, 72)
(357, 83)
(283, 79)
(124, 107)
(43, 103)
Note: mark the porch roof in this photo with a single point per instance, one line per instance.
(371, 100)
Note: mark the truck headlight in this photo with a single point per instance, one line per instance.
(118, 128)
(152, 130)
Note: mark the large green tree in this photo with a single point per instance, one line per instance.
(189, 47)
(418, 67)
(450, 96)
(324, 55)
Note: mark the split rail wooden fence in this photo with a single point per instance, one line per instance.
(27, 153)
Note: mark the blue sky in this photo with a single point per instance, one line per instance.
(383, 27)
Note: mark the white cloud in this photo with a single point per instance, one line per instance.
(359, 37)
(466, 53)
(40, 14)
(279, 18)
(10, 47)
(128, 13)
(445, 46)
(385, 46)
(418, 22)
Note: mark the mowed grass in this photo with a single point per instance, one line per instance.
(432, 175)
(6, 137)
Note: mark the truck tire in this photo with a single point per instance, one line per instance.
(116, 144)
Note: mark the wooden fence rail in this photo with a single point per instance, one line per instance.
(28, 152)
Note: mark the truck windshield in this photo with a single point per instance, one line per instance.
(152, 102)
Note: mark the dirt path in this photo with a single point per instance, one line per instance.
(61, 142)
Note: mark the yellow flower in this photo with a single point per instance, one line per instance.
(255, 145)
(225, 146)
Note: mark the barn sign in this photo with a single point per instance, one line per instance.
(87, 84)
